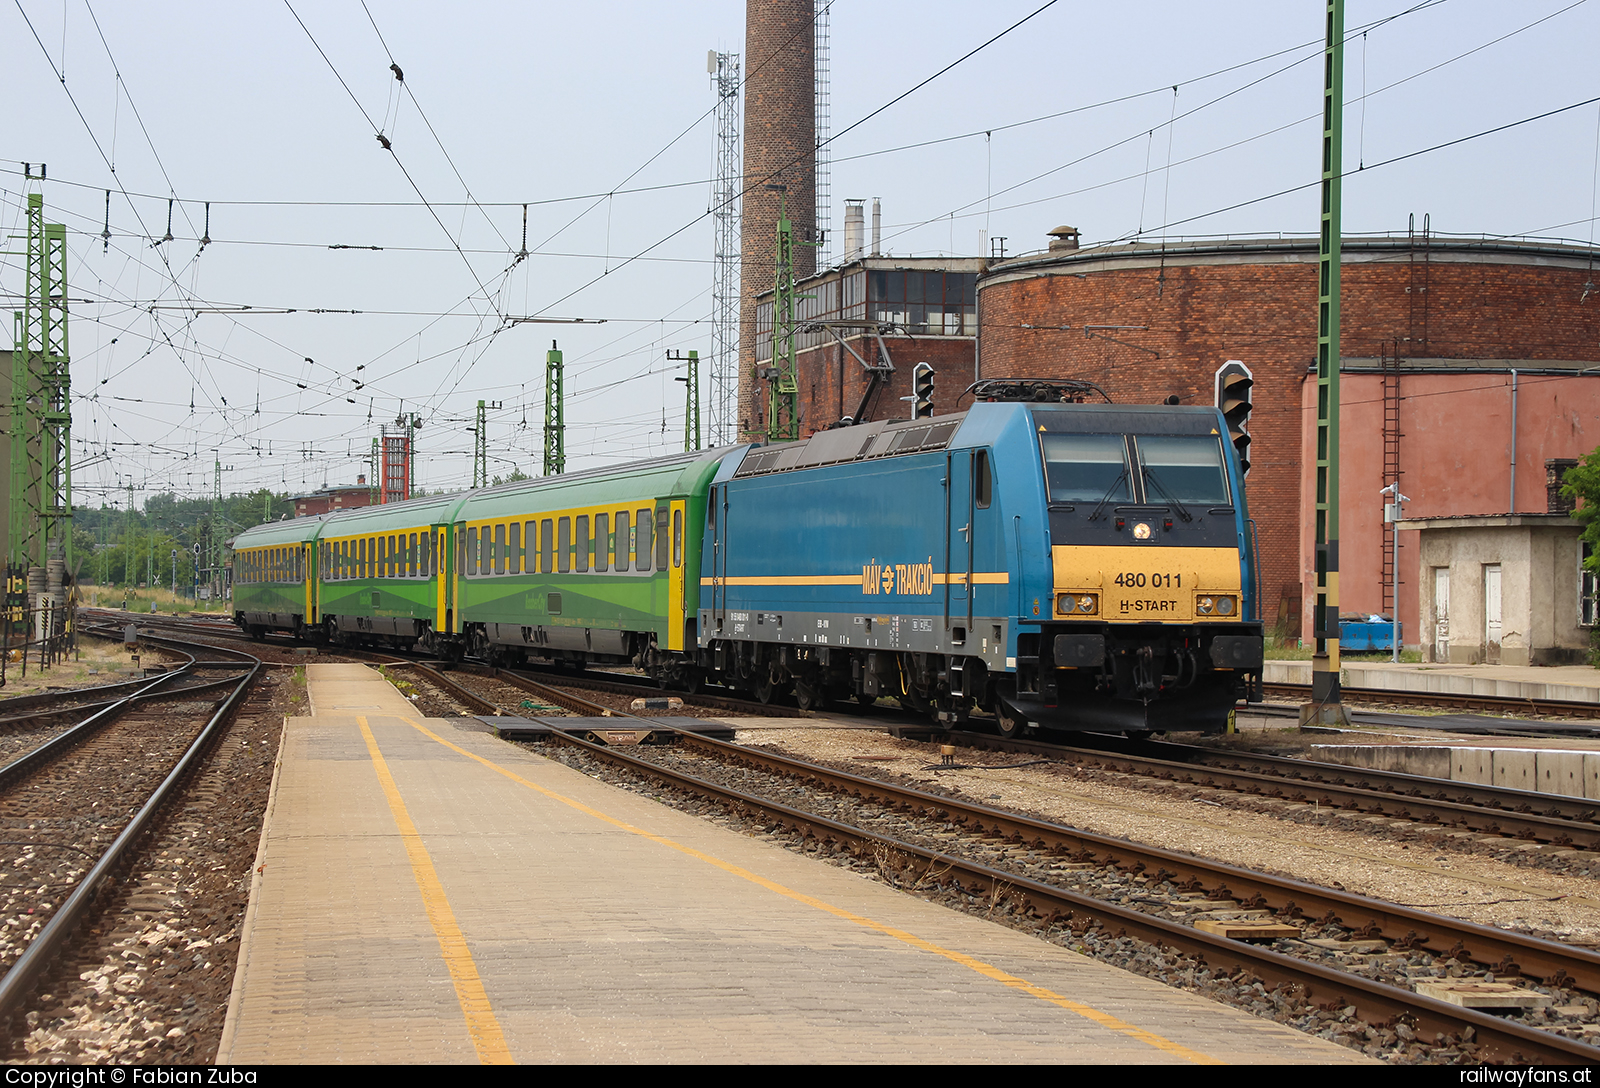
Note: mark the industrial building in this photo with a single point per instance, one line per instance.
(1470, 366)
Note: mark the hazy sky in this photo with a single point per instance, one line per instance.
(1118, 119)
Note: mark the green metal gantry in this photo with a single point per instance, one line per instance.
(783, 394)
(40, 515)
(555, 425)
(691, 398)
(480, 447)
(1325, 706)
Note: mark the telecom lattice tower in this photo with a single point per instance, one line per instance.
(725, 203)
(555, 416)
(40, 515)
(824, 126)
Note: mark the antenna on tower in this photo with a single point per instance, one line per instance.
(823, 125)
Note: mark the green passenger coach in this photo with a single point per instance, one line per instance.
(588, 566)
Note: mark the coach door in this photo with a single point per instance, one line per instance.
(670, 525)
(455, 562)
(436, 556)
(959, 546)
(309, 551)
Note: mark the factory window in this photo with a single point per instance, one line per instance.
(641, 544)
(662, 543)
(514, 547)
(580, 549)
(602, 541)
(499, 549)
(930, 303)
(623, 543)
(564, 546)
(1184, 470)
(546, 545)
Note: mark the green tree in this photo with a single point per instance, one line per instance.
(1583, 484)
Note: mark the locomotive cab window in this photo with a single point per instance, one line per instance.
(982, 485)
(1183, 469)
(1086, 468)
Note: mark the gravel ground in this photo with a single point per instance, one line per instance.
(148, 981)
(1431, 872)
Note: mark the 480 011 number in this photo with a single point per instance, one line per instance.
(1142, 580)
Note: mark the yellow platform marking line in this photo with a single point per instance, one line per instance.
(487, 1038)
(1105, 1020)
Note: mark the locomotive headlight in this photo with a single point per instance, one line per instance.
(1225, 606)
(1205, 605)
(1077, 604)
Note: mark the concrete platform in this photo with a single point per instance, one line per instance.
(428, 893)
(1573, 683)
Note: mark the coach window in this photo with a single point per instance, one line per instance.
(514, 548)
(662, 543)
(499, 549)
(530, 539)
(677, 538)
(580, 557)
(472, 551)
(547, 546)
(641, 543)
(620, 532)
(602, 542)
(564, 546)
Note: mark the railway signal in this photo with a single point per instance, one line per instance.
(1234, 382)
(921, 391)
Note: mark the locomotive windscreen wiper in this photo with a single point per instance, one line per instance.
(1110, 491)
(1152, 478)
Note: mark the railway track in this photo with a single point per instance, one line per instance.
(1429, 803)
(1489, 704)
(1036, 894)
(75, 810)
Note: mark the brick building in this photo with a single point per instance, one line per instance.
(1441, 339)
(333, 498)
(907, 309)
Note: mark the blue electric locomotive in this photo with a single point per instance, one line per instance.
(1071, 565)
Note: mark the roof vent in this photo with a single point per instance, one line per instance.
(1063, 239)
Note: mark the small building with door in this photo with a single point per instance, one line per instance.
(1503, 589)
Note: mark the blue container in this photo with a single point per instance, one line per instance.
(1361, 637)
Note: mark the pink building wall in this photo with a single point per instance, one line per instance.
(1455, 458)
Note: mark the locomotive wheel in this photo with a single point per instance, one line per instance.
(1012, 724)
(764, 690)
(809, 698)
